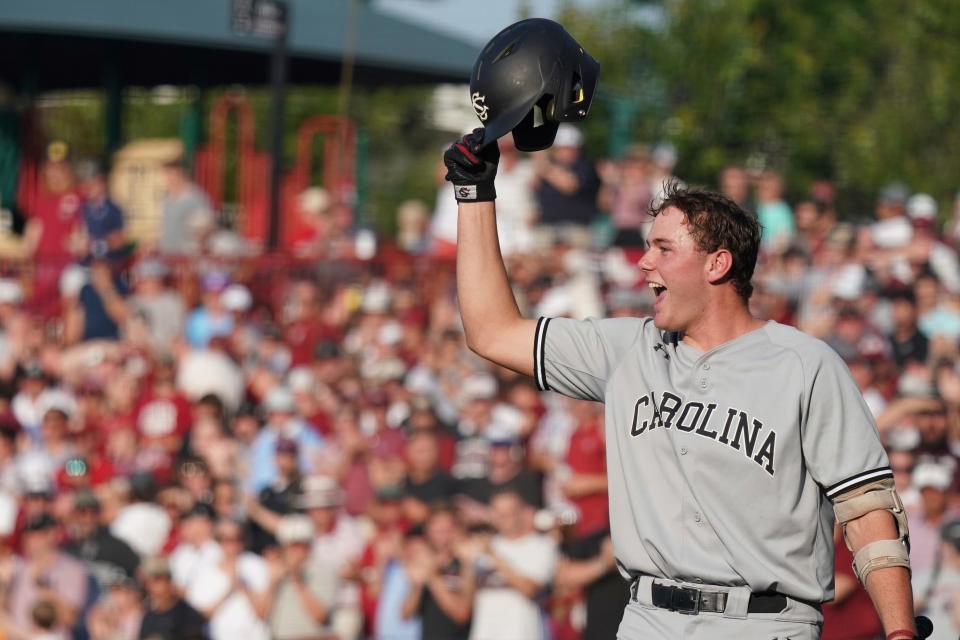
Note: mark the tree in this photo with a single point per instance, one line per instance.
(862, 92)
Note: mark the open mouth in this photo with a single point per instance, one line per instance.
(659, 291)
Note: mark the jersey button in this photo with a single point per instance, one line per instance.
(706, 367)
(703, 383)
(683, 451)
(696, 517)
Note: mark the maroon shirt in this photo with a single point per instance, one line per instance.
(854, 618)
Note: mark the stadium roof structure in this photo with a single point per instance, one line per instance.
(57, 44)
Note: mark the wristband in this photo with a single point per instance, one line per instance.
(901, 634)
(479, 192)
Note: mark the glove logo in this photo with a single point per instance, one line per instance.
(479, 106)
(467, 192)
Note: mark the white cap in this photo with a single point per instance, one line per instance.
(314, 200)
(849, 283)
(72, 280)
(390, 334)
(236, 297)
(931, 474)
(301, 380)
(320, 492)
(279, 400)
(479, 387)
(295, 528)
(568, 136)
(10, 291)
(665, 155)
(376, 298)
(922, 206)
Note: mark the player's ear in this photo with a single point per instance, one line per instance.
(719, 264)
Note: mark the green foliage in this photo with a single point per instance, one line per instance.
(864, 92)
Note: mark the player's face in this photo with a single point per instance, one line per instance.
(676, 270)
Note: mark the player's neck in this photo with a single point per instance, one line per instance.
(719, 325)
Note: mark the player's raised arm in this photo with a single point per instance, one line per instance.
(491, 319)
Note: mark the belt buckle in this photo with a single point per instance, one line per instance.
(685, 600)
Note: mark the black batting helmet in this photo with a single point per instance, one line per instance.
(528, 79)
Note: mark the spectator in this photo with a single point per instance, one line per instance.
(566, 187)
(53, 223)
(735, 184)
(46, 574)
(163, 414)
(932, 480)
(588, 564)
(382, 545)
(197, 547)
(282, 422)
(412, 220)
(278, 499)
(892, 230)
(443, 222)
(390, 623)
(304, 326)
(142, 524)
(155, 309)
(167, 616)
(440, 592)
(850, 615)
(231, 592)
(108, 559)
(118, 614)
(506, 472)
(210, 320)
(585, 484)
(629, 198)
(926, 247)
(426, 484)
(513, 570)
(302, 589)
(906, 341)
(337, 545)
(307, 238)
(937, 590)
(516, 205)
(186, 214)
(102, 217)
(775, 216)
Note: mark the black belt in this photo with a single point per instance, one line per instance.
(692, 601)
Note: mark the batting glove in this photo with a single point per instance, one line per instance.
(472, 169)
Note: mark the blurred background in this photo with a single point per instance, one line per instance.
(235, 398)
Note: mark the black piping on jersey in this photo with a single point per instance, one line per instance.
(539, 350)
(858, 480)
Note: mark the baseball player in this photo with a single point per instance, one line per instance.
(732, 443)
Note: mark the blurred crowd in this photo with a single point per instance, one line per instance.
(198, 441)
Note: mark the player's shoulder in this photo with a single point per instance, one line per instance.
(809, 350)
(623, 326)
(629, 328)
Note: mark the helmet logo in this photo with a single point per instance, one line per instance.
(479, 106)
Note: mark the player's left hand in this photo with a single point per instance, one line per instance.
(472, 168)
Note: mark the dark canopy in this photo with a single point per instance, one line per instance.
(49, 44)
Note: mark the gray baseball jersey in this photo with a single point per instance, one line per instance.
(721, 465)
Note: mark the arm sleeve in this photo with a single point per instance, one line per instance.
(841, 444)
(576, 358)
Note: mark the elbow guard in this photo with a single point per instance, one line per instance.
(879, 554)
